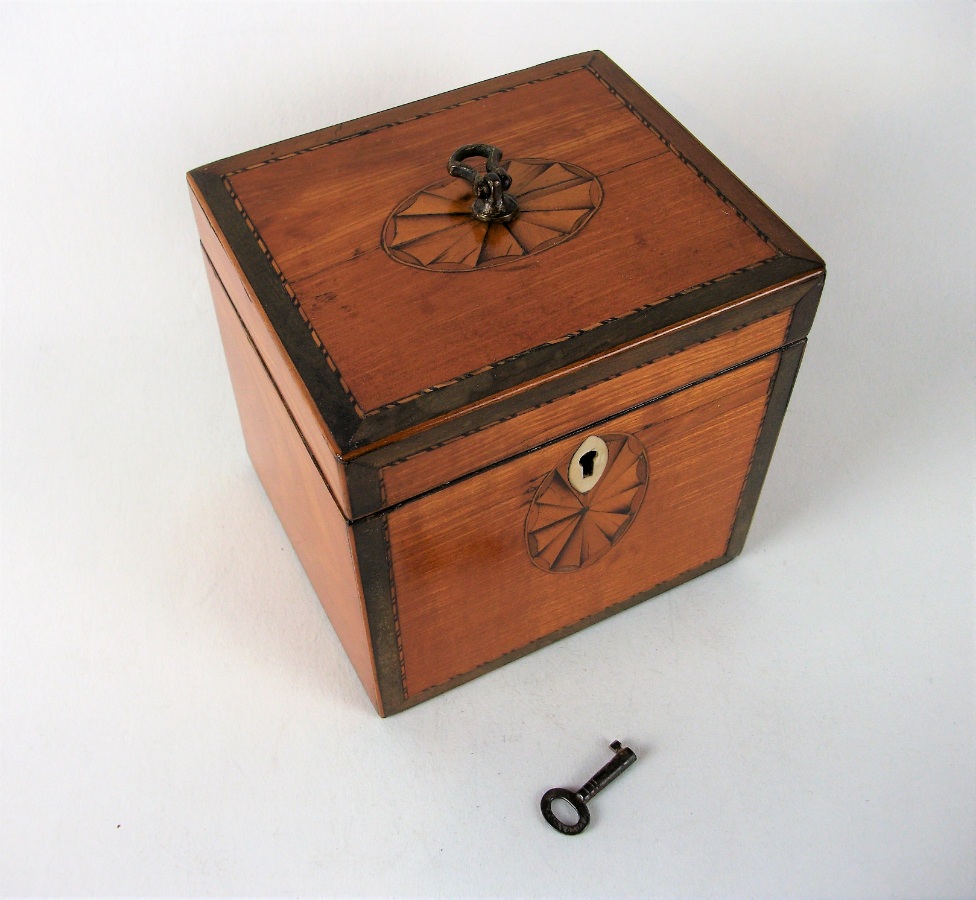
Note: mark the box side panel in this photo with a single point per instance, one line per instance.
(275, 359)
(779, 398)
(297, 489)
(447, 462)
(484, 568)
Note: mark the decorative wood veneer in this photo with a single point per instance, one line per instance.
(469, 453)
(566, 530)
(291, 213)
(467, 591)
(410, 400)
(296, 487)
(434, 230)
(354, 301)
(281, 368)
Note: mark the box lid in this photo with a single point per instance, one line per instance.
(400, 309)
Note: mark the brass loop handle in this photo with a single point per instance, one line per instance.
(492, 203)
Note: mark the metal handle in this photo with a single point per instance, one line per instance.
(492, 203)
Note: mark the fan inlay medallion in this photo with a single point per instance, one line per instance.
(566, 530)
(434, 229)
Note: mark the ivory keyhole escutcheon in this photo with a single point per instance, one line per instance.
(588, 464)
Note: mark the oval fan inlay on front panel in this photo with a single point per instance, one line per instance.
(566, 530)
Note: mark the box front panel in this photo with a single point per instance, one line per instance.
(505, 558)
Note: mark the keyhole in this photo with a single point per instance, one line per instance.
(587, 464)
(587, 461)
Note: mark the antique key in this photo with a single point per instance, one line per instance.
(623, 757)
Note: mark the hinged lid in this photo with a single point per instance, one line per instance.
(401, 310)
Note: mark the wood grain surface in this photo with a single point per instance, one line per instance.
(467, 591)
(294, 391)
(510, 437)
(383, 358)
(320, 214)
(433, 395)
(683, 142)
(434, 229)
(296, 487)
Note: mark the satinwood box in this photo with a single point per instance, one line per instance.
(493, 405)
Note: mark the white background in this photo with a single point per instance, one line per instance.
(177, 717)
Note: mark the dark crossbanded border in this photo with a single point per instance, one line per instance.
(358, 432)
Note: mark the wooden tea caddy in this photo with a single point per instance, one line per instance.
(483, 434)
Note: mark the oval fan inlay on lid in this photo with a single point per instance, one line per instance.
(434, 228)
